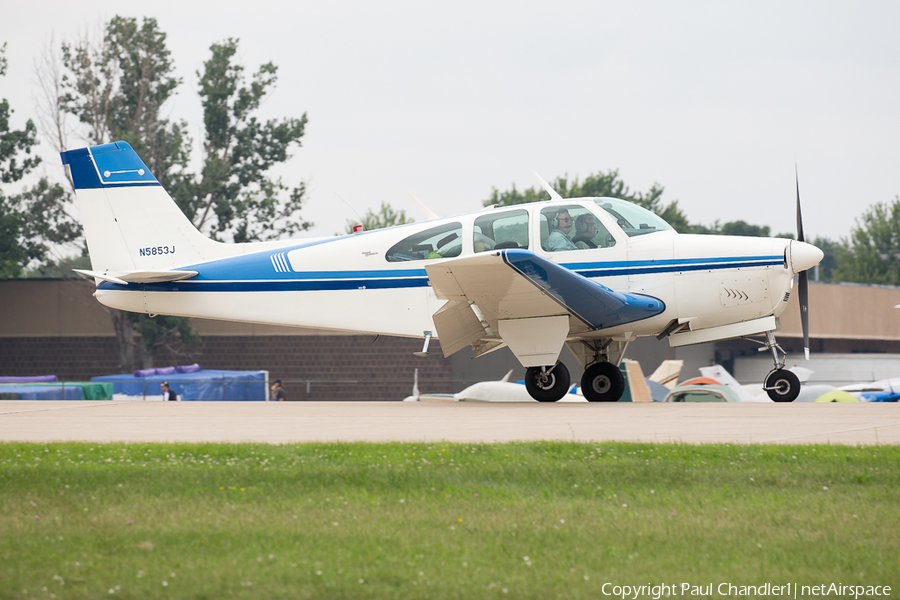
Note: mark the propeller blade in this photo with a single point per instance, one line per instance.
(803, 297)
(802, 279)
(799, 217)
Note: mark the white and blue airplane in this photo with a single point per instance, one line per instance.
(591, 274)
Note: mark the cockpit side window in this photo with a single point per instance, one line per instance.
(573, 227)
(443, 241)
(508, 229)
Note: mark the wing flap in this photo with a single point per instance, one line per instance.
(458, 326)
(488, 282)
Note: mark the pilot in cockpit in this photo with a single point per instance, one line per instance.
(559, 236)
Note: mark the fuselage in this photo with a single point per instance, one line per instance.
(376, 282)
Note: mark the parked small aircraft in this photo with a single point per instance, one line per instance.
(504, 391)
(592, 274)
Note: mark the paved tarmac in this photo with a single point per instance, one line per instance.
(286, 422)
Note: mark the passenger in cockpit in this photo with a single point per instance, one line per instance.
(585, 230)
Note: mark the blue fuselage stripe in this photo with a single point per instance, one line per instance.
(272, 285)
(413, 278)
(643, 270)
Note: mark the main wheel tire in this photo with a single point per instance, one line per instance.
(782, 386)
(602, 382)
(549, 386)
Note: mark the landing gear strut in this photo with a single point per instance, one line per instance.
(602, 382)
(781, 385)
(547, 384)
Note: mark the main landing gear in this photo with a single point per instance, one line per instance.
(602, 382)
(781, 385)
(547, 384)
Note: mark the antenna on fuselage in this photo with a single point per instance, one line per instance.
(554, 195)
(354, 211)
(430, 214)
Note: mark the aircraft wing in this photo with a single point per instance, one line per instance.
(513, 284)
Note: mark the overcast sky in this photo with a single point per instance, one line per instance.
(715, 101)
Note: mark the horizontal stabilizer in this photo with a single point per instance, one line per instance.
(126, 277)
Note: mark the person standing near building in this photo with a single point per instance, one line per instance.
(277, 391)
(168, 394)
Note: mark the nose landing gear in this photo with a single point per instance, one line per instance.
(780, 384)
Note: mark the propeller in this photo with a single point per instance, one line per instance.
(802, 279)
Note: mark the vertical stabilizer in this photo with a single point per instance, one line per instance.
(130, 222)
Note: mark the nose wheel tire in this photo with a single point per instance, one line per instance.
(547, 385)
(782, 385)
(602, 382)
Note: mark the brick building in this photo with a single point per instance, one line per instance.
(57, 327)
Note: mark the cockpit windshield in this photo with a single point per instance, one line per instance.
(633, 219)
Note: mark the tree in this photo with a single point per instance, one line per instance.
(599, 184)
(738, 227)
(30, 221)
(872, 252)
(609, 185)
(824, 271)
(12, 166)
(385, 217)
(13, 143)
(117, 86)
(235, 193)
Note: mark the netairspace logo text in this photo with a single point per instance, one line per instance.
(787, 590)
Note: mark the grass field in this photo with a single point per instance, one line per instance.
(522, 520)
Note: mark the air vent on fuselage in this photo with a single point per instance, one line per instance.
(736, 292)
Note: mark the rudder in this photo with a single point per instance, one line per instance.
(130, 222)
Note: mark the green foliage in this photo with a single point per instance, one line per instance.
(33, 219)
(514, 196)
(734, 228)
(117, 89)
(872, 252)
(40, 224)
(60, 268)
(12, 254)
(163, 331)
(824, 272)
(14, 143)
(234, 192)
(386, 216)
(363, 520)
(610, 185)
(596, 185)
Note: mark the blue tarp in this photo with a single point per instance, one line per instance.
(206, 384)
(40, 392)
